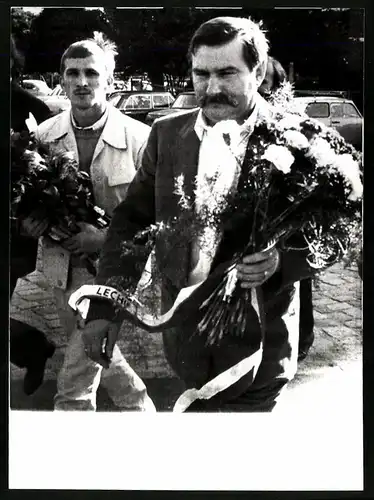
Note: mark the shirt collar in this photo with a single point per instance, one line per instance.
(246, 128)
(99, 124)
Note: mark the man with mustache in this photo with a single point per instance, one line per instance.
(109, 147)
(228, 61)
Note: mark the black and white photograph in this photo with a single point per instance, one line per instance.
(186, 237)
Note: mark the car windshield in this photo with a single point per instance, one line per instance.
(317, 110)
(185, 101)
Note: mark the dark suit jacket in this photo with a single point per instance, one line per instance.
(23, 103)
(172, 149)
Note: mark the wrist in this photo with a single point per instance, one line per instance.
(101, 309)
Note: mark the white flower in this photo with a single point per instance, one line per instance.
(279, 156)
(296, 139)
(321, 151)
(290, 121)
(349, 168)
(34, 158)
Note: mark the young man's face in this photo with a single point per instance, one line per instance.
(86, 81)
(224, 85)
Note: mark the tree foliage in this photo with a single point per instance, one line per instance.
(324, 45)
(320, 42)
(54, 30)
(20, 26)
(156, 41)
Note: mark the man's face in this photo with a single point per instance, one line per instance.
(85, 81)
(224, 85)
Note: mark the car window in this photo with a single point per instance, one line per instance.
(350, 111)
(161, 101)
(138, 102)
(336, 110)
(317, 110)
(185, 101)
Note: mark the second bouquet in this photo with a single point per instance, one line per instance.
(54, 187)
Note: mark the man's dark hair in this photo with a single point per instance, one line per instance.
(222, 30)
(279, 73)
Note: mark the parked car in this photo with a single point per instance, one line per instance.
(184, 100)
(37, 87)
(57, 101)
(337, 112)
(139, 104)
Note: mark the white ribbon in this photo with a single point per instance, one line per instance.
(219, 383)
(79, 301)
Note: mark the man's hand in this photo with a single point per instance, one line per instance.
(99, 337)
(257, 268)
(89, 240)
(34, 225)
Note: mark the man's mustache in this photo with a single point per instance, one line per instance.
(218, 99)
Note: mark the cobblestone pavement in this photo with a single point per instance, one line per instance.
(338, 345)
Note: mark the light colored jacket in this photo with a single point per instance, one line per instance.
(116, 158)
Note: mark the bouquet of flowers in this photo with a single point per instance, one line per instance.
(52, 186)
(300, 182)
(299, 188)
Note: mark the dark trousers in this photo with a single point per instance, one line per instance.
(306, 327)
(261, 400)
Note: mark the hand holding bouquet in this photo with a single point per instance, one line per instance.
(51, 195)
(299, 188)
(299, 179)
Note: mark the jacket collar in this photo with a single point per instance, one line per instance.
(113, 134)
(187, 148)
(189, 124)
(246, 128)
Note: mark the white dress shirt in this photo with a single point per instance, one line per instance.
(214, 156)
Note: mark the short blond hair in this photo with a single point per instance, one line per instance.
(91, 46)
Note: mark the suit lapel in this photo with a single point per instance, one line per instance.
(185, 162)
(187, 155)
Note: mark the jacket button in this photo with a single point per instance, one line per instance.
(62, 254)
(59, 282)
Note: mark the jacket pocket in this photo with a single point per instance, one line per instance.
(121, 174)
